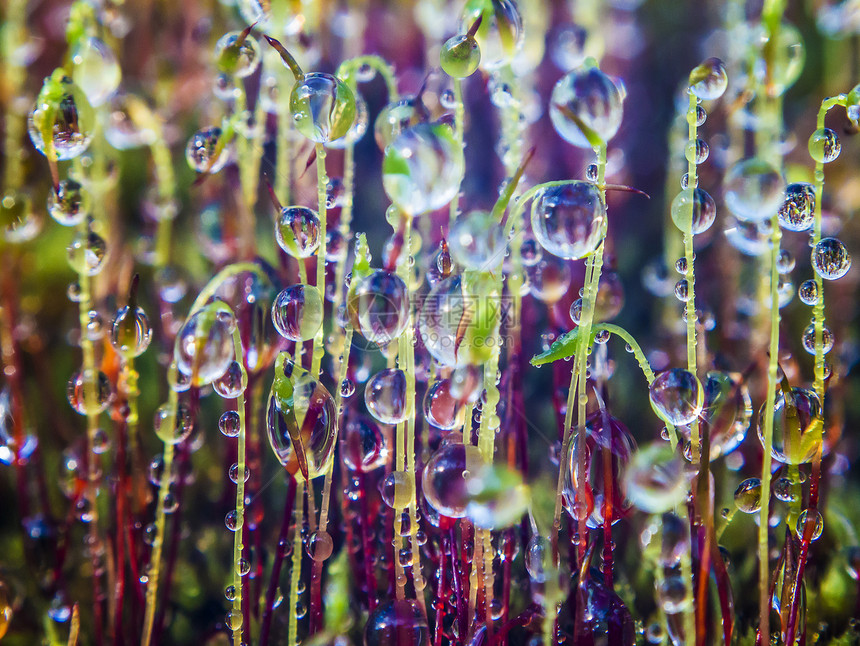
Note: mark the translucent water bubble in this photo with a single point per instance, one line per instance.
(206, 152)
(824, 145)
(89, 392)
(500, 35)
(727, 410)
(439, 321)
(549, 280)
(672, 594)
(378, 307)
(68, 120)
(442, 408)
(397, 490)
(237, 54)
(297, 231)
(811, 523)
(87, 252)
(754, 190)
(477, 241)
(320, 545)
(697, 151)
(69, 204)
(397, 117)
(422, 168)
(797, 212)
(608, 447)
(397, 623)
(298, 312)
(95, 69)
(655, 480)
(364, 445)
(796, 420)
(301, 421)
(497, 496)
(130, 332)
(682, 290)
(323, 107)
(674, 540)
(385, 396)
(568, 220)
(695, 203)
(568, 47)
(460, 56)
(677, 396)
(808, 292)
(708, 80)
(748, 496)
(586, 97)
(204, 346)
(444, 481)
(783, 490)
(229, 424)
(18, 221)
(830, 259)
(357, 130)
(233, 382)
(537, 551)
(173, 423)
(808, 339)
(747, 238)
(785, 261)
(786, 62)
(466, 382)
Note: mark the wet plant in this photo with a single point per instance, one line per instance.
(376, 323)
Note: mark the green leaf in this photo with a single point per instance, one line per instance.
(562, 348)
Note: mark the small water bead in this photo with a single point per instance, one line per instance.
(685, 181)
(297, 231)
(784, 490)
(397, 490)
(460, 56)
(233, 382)
(69, 120)
(173, 423)
(204, 346)
(754, 190)
(681, 265)
(500, 34)
(385, 396)
(748, 496)
(497, 496)
(785, 261)
(592, 173)
(243, 567)
(727, 409)
(397, 623)
(824, 145)
(233, 522)
(697, 151)
(422, 168)
(442, 408)
(701, 115)
(537, 551)
(695, 203)
(796, 414)
(446, 474)
(347, 388)
(229, 424)
(323, 107)
(237, 54)
(297, 312)
(808, 292)
(593, 99)
(378, 306)
(89, 392)
(797, 212)
(96, 70)
(673, 594)
(206, 152)
(568, 47)
(655, 480)
(477, 241)
(320, 545)
(682, 291)
(233, 473)
(69, 204)
(576, 311)
(677, 396)
(830, 259)
(786, 63)
(18, 220)
(808, 338)
(364, 445)
(396, 118)
(130, 332)
(708, 80)
(87, 252)
(301, 420)
(811, 523)
(568, 220)
(549, 280)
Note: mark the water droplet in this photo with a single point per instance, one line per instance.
(69, 204)
(364, 445)
(593, 99)
(235, 58)
(320, 545)
(397, 490)
(697, 151)
(655, 479)
(87, 252)
(323, 107)
(460, 56)
(827, 339)
(477, 241)
(797, 212)
(130, 332)
(568, 220)
(95, 69)
(824, 145)
(206, 152)
(754, 190)
(297, 312)
(708, 80)
(831, 259)
(796, 413)
(204, 345)
(297, 231)
(378, 306)
(385, 396)
(173, 423)
(89, 392)
(397, 623)
(808, 292)
(695, 203)
(68, 117)
(810, 522)
(748, 496)
(677, 396)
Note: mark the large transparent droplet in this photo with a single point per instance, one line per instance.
(444, 481)
(754, 190)
(298, 312)
(586, 103)
(385, 396)
(378, 307)
(677, 396)
(204, 345)
(568, 220)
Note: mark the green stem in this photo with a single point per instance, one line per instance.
(459, 132)
(322, 181)
(296, 564)
(236, 617)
